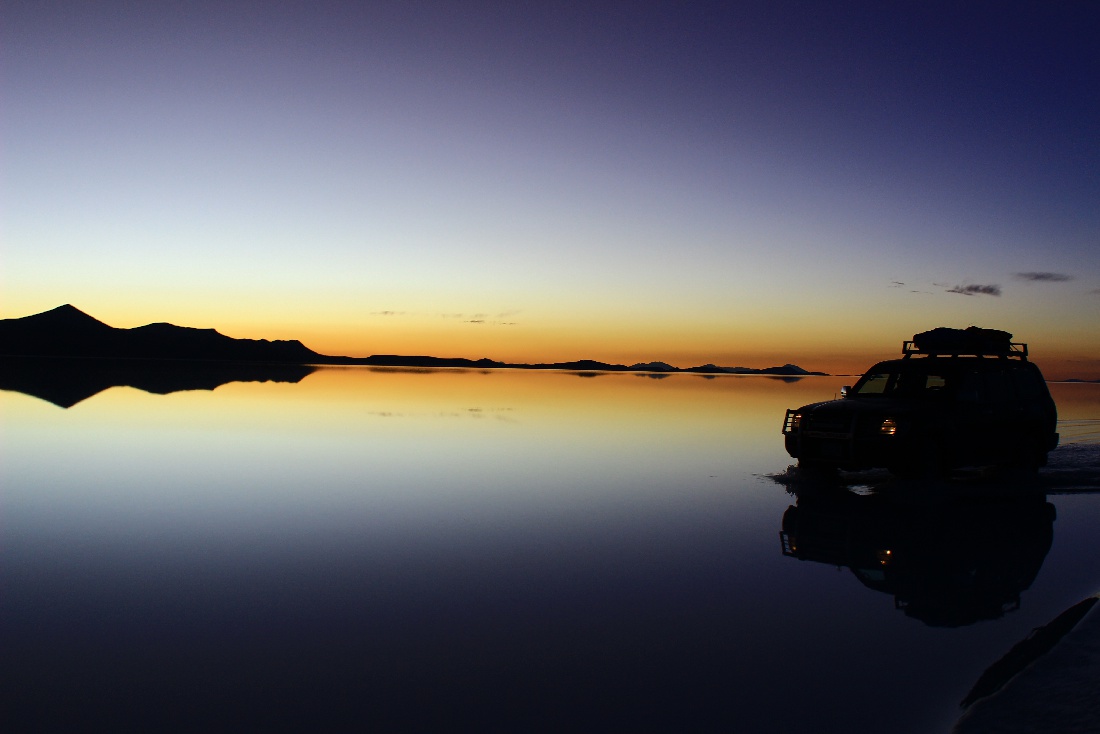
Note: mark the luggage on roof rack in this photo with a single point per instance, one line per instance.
(971, 340)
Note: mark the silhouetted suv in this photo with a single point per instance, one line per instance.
(957, 397)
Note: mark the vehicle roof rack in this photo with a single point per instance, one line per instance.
(971, 341)
(1017, 350)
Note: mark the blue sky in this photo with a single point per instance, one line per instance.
(737, 183)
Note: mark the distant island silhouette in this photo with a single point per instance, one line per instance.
(67, 332)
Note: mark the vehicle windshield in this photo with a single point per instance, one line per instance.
(900, 384)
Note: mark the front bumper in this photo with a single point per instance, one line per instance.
(841, 441)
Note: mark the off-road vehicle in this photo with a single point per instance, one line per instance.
(957, 397)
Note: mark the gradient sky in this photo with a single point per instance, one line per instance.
(744, 183)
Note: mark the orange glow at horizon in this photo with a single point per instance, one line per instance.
(743, 340)
(852, 358)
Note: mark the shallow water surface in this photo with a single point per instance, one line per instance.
(405, 548)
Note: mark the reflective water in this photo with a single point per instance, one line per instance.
(404, 549)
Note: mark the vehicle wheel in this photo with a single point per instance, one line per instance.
(1036, 453)
(1028, 458)
(1029, 463)
(817, 469)
(925, 462)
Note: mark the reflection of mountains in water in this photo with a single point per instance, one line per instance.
(950, 564)
(66, 382)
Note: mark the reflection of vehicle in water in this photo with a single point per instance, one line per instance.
(956, 398)
(948, 565)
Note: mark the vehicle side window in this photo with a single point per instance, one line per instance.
(875, 384)
(935, 383)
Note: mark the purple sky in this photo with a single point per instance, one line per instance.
(631, 180)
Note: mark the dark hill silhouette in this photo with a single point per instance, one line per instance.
(60, 331)
(66, 331)
(586, 365)
(399, 360)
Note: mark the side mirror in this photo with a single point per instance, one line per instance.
(845, 390)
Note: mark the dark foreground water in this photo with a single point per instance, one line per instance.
(405, 550)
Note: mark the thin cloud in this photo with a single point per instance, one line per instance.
(480, 315)
(488, 322)
(468, 318)
(1044, 277)
(976, 289)
(902, 284)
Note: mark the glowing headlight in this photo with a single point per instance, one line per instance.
(889, 427)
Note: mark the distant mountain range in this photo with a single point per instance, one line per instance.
(66, 331)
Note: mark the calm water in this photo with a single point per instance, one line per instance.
(401, 549)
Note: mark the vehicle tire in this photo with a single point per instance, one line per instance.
(933, 463)
(1028, 458)
(820, 470)
(925, 462)
(1028, 463)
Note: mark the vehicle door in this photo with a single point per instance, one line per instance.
(984, 401)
